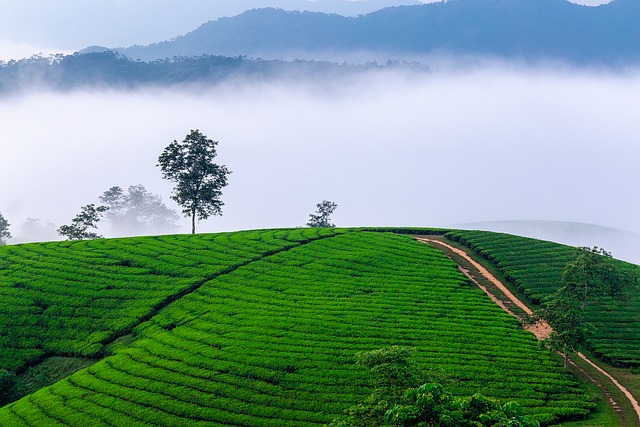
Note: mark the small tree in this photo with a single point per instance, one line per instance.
(322, 216)
(87, 218)
(585, 280)
(137, 211)
(397, 402)
(4, 230)
(431, 405)
(392, 371)
(198, 180)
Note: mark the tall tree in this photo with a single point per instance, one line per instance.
(4, 230)
(589, 277)
(198, 180)
(137, 211)
(87, 218)
(322, 216)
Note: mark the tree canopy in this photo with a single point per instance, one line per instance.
(80, 225)
(398, 401)
(198, 180)
(322, 216)
(589, 277)
(4, 230)
(431, 405)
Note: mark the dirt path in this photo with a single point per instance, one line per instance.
(541, 330)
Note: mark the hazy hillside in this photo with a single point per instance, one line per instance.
(99, 68)
(528, 29)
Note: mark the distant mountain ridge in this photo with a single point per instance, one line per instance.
(524, 29)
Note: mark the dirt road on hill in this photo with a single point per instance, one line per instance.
(540, 330)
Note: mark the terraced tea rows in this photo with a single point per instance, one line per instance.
(272, 343)
(536, 267)
(70, 298)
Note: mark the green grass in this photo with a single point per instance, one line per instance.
(270, 339)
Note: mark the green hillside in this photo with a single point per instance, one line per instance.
(536, 267)
(254, 328)
(71, 298)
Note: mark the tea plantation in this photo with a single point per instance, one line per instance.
(536, 267)
(255, 328)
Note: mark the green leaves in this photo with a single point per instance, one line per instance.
(431, 405)
(4, 230)
(87, 218)
(586, 279)
(198, 180)
(322, 216)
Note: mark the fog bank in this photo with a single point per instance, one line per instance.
(390, 149)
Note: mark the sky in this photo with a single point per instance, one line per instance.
(28, 27)
(491, 142)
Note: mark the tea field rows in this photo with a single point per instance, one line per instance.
(70, 298)
(536, 267)
(272, 341)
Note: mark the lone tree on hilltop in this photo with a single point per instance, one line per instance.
(87, 218)
(322, 216)
(591, 276)
(4, 230)
(137, 211)
(198, 180)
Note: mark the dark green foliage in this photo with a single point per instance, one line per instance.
(80, 225)
(7, 384)
(430, 405)
(392, 371)
(536, 267)
(322, 216)
(4, 230)
(198, 180)
(396, 401)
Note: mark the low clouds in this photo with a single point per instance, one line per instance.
(390, 149)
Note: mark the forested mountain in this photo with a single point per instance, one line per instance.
(110, 69)
(525, 29)
(294, 43)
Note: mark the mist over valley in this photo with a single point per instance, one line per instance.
(391, 148)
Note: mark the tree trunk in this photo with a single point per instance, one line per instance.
(193, 222)
(566, 360)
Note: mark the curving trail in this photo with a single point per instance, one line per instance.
(540, 330)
